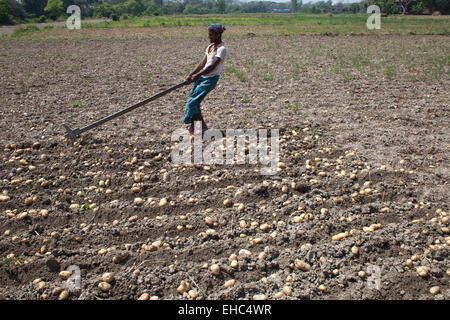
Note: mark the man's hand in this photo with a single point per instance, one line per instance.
(195, 77)
(189, 78)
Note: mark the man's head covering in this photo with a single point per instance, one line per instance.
(216, 27)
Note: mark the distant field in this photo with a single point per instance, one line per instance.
(267, 19)
(242, 25)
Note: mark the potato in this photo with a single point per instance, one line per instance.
(192, 294)
(227, 203)
(121, 256)
(108, 277)
(423, 271)
(22, 215)
(287, 290)
(63, 295)
(64, 275)
(435, 290)
(245, 252)
(104, 286)
(162, 202)
(215, 269)
(41, 286)
(144, 296)
(278, 295)
(340, 236)
(209, 221)
(183, 287)
(302, 265)
(229, 283)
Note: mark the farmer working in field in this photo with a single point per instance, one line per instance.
(205, 75)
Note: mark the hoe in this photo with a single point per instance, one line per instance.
(75, 133)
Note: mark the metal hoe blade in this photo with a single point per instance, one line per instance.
(72, 134)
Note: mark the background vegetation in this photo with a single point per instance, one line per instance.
(15, 11)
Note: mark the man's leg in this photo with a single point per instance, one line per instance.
(193, 112)
(199, 117)
(193, 105)
(196, 118)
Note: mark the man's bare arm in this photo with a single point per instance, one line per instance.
(199, 67)
(207, 70)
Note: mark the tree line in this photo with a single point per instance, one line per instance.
(412, 6)
(14, 11)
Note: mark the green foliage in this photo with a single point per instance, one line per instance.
(417, 8)
(132, 7)
(8, 264)
(54, 9)
(34, 8)
(195, 9)
(245, 99)
(294, 107)
(104, 10)
(268, 77)
(240, 75)
(5, 12)
(25, 30)
(293, 5)
(40, 19)
(293, 24)
(77, 104)
(153, 10)
(411, 6)
(390, 72)
(353, 8)
(10, 11)
(387, 6)
(248, 62)
(441, 5)
(219, 6)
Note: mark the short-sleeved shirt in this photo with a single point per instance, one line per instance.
(220, 52)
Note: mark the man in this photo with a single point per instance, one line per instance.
(205, 76)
